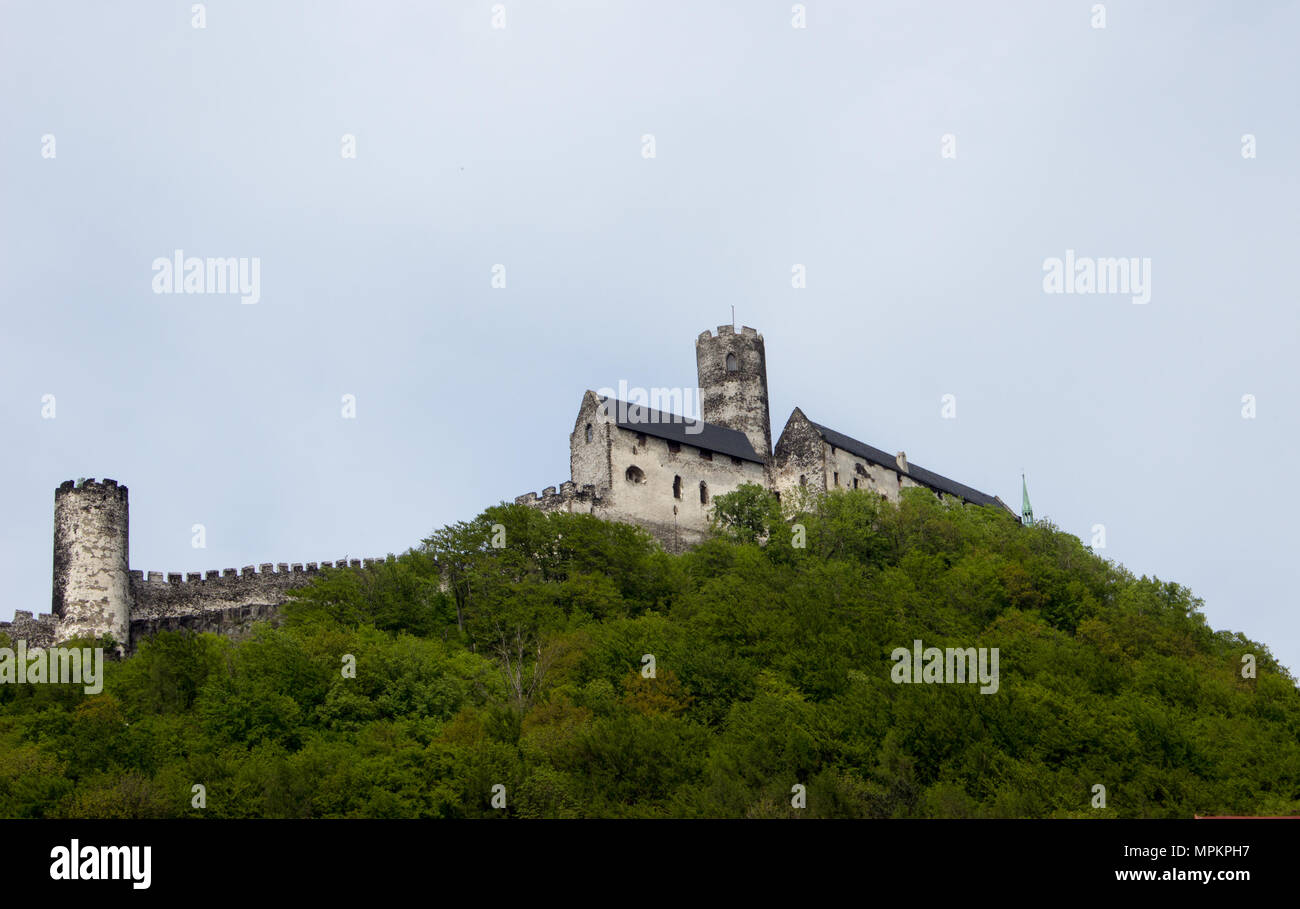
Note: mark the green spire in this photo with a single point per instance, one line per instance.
(1026, 510)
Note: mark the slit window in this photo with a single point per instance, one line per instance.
(677, 487)
(704, 493)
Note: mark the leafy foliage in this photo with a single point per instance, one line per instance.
(509, 650)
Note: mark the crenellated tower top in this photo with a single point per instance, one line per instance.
(732, 370)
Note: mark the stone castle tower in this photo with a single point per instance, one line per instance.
(732, 372)
(95, 592)
(92, 584)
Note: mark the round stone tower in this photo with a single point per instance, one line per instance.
(732, 369)
(92, 584)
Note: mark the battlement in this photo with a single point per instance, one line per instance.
(226, 575)
(36, 632)
(567, 495)
(280, 570)
(106, 486)
(730, 331)
(156, 596)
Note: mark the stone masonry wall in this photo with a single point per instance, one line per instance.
(736, 399)
(225, 602)
(40, 631)
(645, 491)
(798, 460)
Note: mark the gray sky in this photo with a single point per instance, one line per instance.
(774, 146)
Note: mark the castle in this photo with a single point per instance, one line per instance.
(631, 463)
(95, 593)
(628, 463)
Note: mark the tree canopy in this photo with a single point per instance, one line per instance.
(566, 666)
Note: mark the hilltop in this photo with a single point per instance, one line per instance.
(515, 650)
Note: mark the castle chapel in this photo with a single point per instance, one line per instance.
(642, 466)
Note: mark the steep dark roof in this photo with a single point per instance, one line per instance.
(637, 418)
(919, 474)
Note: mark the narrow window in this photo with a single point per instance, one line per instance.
(704, 493)
(855, 482)
(837, 478)
(803, 480)
(640, 438)
(732, 366)
(588, 432)
(706, 454)
(677, 487)
(635, 474)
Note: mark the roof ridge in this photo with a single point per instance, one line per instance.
(915, 471)
(700, 434)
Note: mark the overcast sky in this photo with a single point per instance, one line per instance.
(774, 146)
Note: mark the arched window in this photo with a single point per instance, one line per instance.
(588, 432)
(635, 474)
(677, 487)
(704, 493)
(732, 365)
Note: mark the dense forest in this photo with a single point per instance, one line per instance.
(533, 665)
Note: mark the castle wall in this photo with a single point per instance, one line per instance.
(589, 459)
(874, 477)
(225, 602)
(231, 622)
(871, 476)
(569, 497)
(799, 459)
(41, 631)
(650, 500)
